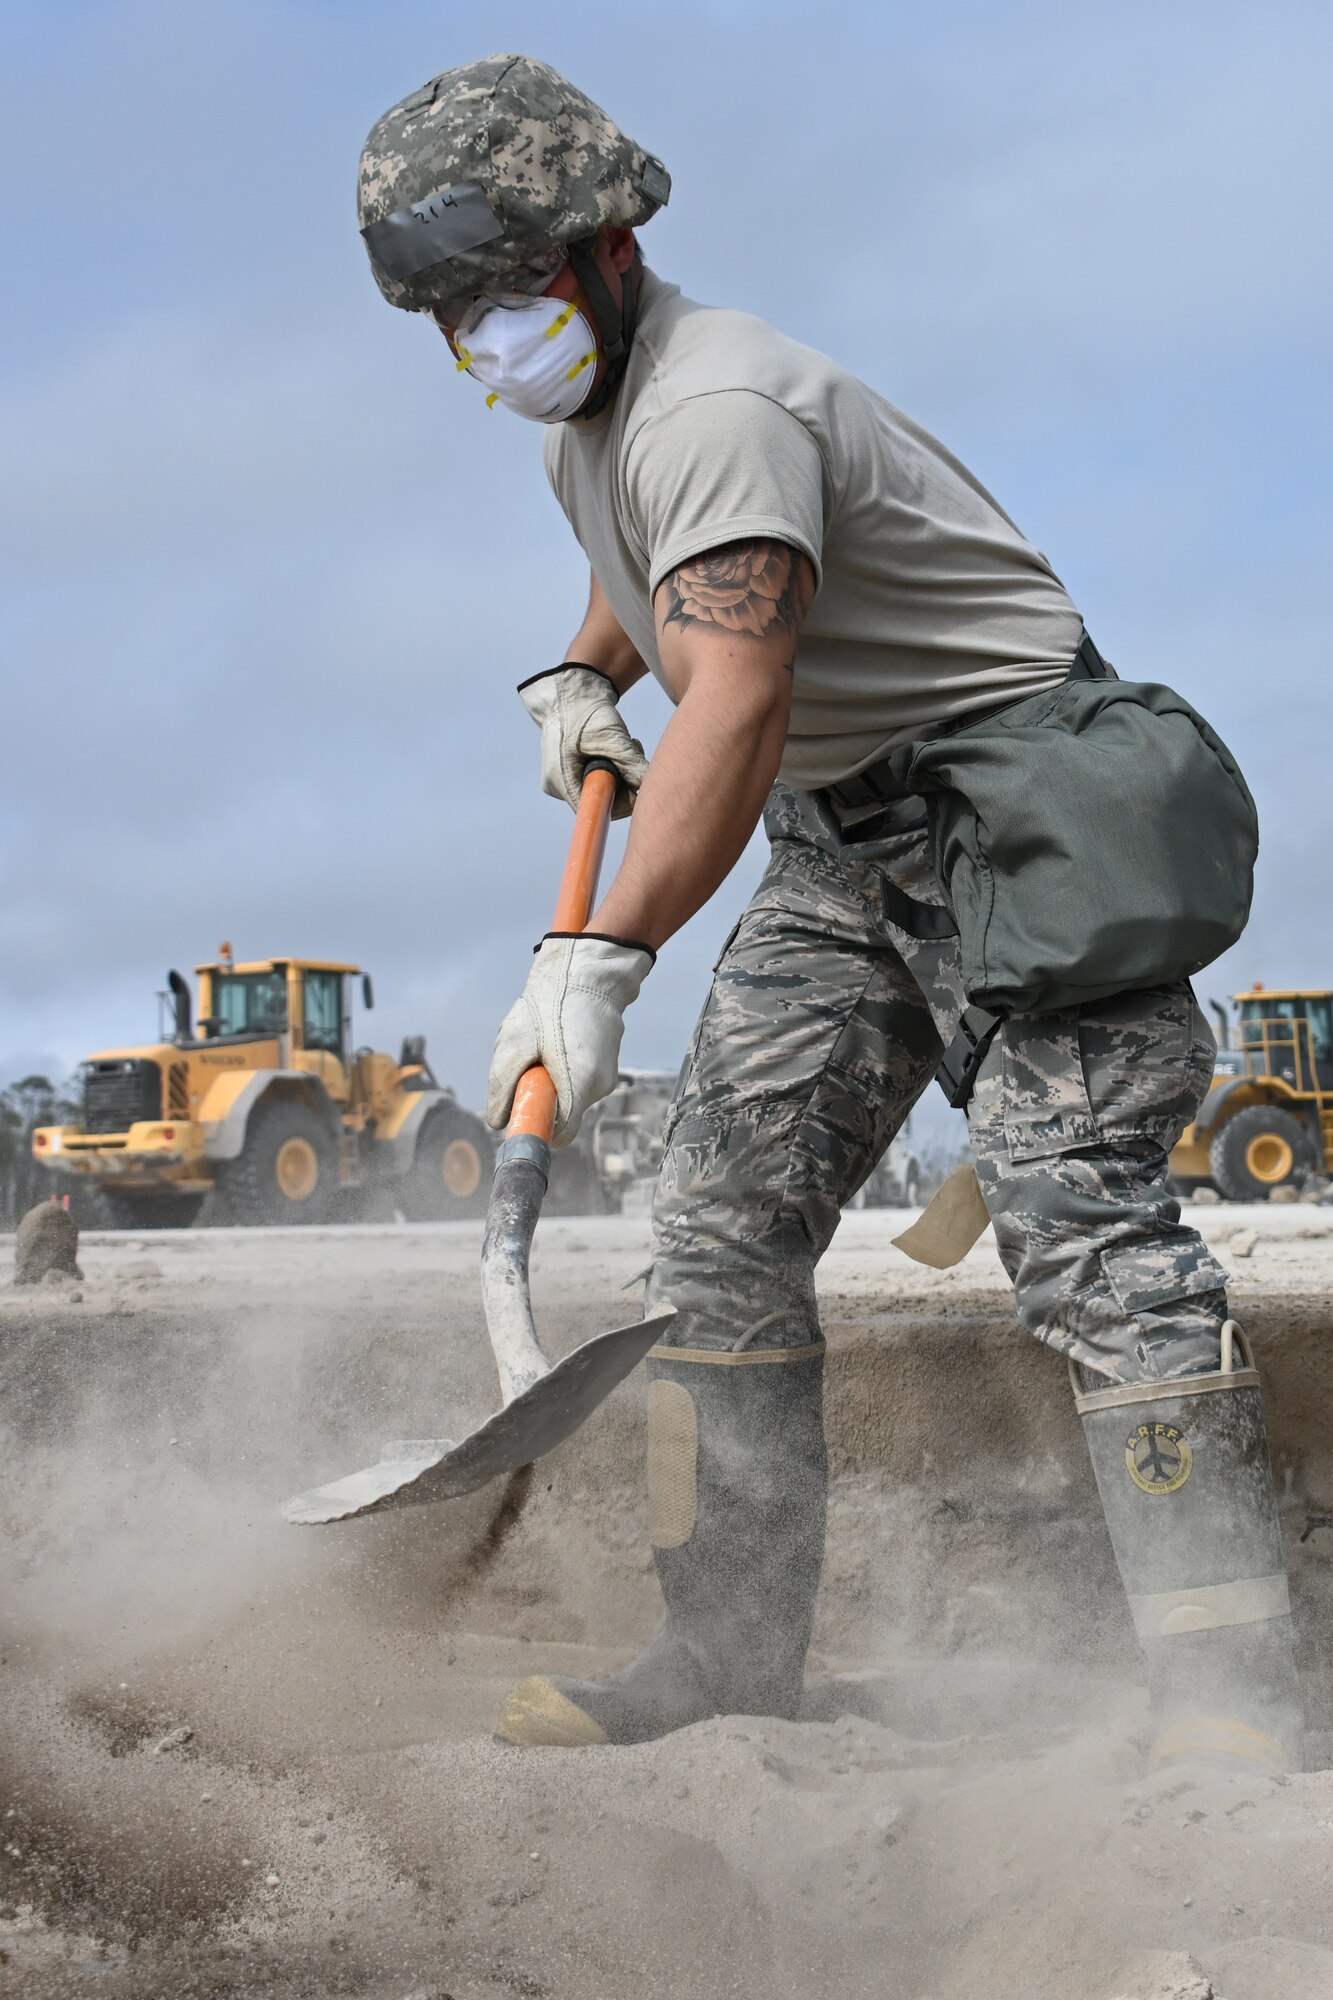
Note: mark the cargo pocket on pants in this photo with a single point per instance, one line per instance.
(1046, 1108)
(1143, 1276)
(1148, 1058)
(1133, 1068)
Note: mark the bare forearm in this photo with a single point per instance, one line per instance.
(698, 805)
(726, 622)
(601, 642)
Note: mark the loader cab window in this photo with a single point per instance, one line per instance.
(1254, 1013)
(1321, 1036)
(1321, 1029)
(1319, 1014)
(250, 1003)
(324, 1011)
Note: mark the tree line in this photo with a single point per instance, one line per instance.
(32, 1101)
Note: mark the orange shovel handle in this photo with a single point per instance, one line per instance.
(533, 1115)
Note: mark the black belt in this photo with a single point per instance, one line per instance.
(877, 785)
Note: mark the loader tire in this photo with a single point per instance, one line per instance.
(288, 1169)
(110, 1209)
(451, 1173)
(1257, 1150)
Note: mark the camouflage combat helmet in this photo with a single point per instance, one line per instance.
(485, 168)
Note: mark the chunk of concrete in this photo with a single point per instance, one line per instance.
(47, 1240)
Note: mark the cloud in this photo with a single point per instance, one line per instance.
(271, 570)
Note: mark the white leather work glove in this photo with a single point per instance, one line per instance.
(571, 1017)
(575, 708)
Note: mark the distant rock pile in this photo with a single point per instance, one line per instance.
(46, 1245)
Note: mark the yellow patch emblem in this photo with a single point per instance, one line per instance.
(1158, 1458)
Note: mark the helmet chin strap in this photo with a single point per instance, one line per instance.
(615, 323)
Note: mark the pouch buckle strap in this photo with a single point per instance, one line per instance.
(957, 1073)
(1089, 664)
(928, 923)
(877, 785)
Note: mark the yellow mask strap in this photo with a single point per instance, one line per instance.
(559, 325)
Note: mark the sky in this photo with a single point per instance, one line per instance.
(270, 570)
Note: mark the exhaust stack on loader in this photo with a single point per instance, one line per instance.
(543, 1405)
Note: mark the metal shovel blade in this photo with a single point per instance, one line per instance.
(418, 1471)
(542, 1405)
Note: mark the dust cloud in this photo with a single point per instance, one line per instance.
(241, 1758)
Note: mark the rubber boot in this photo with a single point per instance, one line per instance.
(1183, 1472)
(737, 1485)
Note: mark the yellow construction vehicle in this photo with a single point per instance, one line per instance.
(1268, 1117)
(266, 1100)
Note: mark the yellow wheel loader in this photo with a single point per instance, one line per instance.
(265, 1099)
(1268, 1117)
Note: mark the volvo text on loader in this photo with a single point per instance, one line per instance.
(266, 1100)
(1268, 1117)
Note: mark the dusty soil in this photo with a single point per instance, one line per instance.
(241, 1758)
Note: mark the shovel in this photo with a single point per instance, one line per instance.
(543, 1405)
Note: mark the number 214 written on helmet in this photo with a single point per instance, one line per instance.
(486, 168)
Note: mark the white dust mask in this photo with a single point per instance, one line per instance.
(536, 356)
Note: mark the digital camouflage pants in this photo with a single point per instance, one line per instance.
(823, 1027)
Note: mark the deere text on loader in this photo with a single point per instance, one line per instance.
(266, 1100)
(1268, 1117)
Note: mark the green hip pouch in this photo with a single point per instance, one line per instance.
(1090, 840)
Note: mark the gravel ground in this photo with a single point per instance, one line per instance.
(240, 1758)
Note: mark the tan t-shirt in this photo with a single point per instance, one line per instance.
(930, 605)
